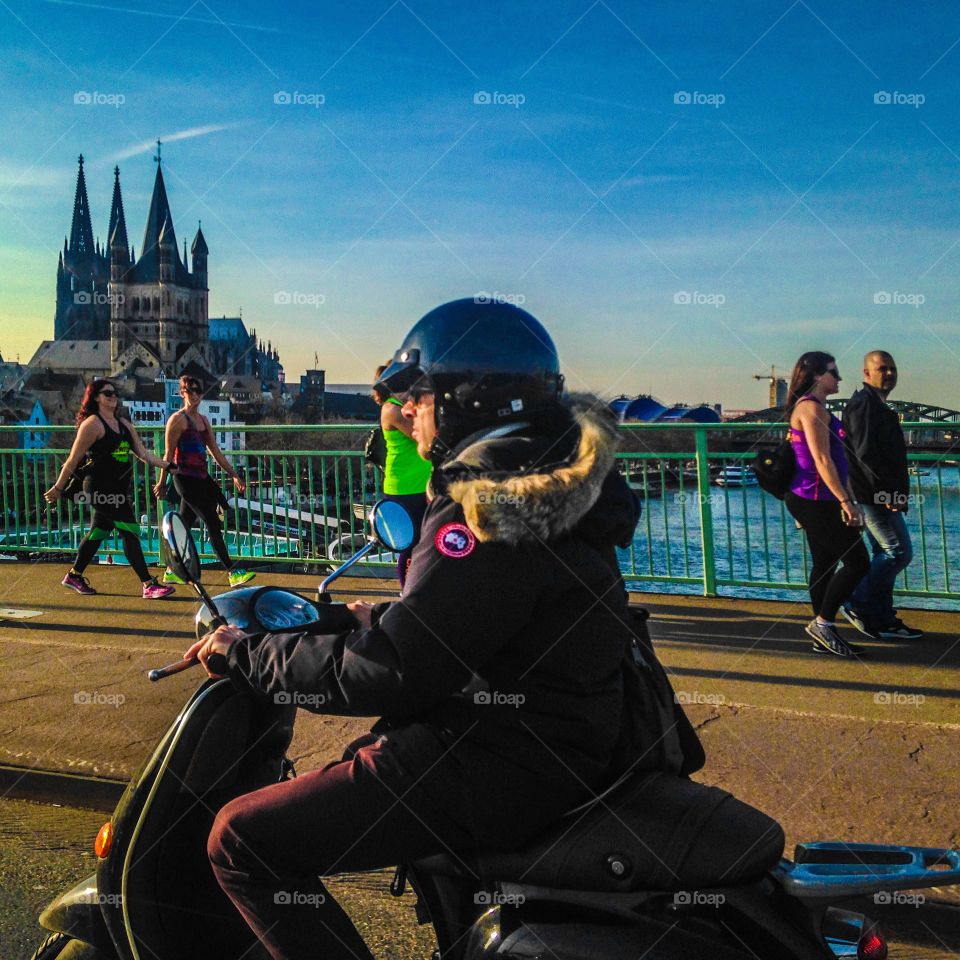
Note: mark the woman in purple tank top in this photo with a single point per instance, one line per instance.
(821, 499)
(188, 438)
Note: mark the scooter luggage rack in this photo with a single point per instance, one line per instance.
(831, 869)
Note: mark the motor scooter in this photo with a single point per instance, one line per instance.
(657, 866)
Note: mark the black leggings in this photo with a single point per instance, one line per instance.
(200, 498)
(831, 541)
(102, 525)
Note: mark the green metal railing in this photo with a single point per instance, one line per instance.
(305, 507)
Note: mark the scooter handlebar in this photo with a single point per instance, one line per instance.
(217, 663)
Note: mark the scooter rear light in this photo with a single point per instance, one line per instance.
(872, 946)
(104, 841)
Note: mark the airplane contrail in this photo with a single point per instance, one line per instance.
(148, 145)
(164, 16)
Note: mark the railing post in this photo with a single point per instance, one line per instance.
(706, 514)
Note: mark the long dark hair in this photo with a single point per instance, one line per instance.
(88, 405)
(810, 365)
(382, 392)
(191, 383)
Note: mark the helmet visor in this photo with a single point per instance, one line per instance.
(404, 376)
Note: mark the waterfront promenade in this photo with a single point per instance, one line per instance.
(859, 750)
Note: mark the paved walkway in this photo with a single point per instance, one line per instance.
(865, 750)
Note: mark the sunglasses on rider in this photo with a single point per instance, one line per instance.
(107, 393)
(834, 372)
(416, 394)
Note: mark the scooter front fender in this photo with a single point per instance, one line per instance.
(77, 914)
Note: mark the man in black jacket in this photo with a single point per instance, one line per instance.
(878, 473)
(499, 672)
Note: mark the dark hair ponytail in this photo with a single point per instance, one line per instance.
(810, 365)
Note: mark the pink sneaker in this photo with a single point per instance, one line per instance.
(156, 591)
(75, 582)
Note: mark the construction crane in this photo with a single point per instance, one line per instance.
(778, 386)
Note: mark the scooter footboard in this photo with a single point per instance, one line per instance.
(833, 870)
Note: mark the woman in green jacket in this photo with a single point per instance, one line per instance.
(406, 473)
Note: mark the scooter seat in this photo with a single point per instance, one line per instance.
(653, 831)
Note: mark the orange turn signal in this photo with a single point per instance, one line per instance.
(104, 841)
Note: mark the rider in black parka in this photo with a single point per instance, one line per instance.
(498, 674)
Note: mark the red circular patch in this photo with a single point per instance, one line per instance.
(455, 540)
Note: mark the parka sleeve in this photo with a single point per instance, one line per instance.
(464, 600)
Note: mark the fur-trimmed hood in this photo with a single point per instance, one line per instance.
(539, 484)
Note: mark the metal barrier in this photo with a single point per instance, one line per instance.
(305, 508)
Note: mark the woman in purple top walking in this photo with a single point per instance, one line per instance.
(821, 499)
(188, 438)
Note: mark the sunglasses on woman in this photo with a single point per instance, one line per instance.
(107, 393)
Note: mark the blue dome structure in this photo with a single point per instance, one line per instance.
(703, 414)
(619, 405)
(646, 409)
(700, 414)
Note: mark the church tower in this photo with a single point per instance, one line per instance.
(160, 322)
(83, 273)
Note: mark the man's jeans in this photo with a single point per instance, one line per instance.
(892, 551)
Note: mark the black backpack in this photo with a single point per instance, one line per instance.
(375, 449)
(775, 468)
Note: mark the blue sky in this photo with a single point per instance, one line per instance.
(672, 247)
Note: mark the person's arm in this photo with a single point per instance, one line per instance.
(171, 437)
(424, 648)
(217, 455)
(392, 419)
(817, 431)
(90, 431)
(140, 449)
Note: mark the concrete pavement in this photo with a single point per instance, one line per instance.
(866, 750)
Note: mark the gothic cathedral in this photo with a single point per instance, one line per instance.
(153, 309)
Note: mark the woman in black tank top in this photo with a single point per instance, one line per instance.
(106, 444)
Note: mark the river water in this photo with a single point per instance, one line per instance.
(757, 542)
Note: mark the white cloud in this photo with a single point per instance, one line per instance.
(652, 179)
(29, 177)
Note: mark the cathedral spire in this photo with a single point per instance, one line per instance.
(159, 215)
(81, 233)
(117, 234)
(199, 242)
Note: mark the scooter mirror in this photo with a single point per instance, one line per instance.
(392, 525)
(181, 550)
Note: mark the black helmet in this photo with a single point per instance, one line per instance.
(486, 361)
